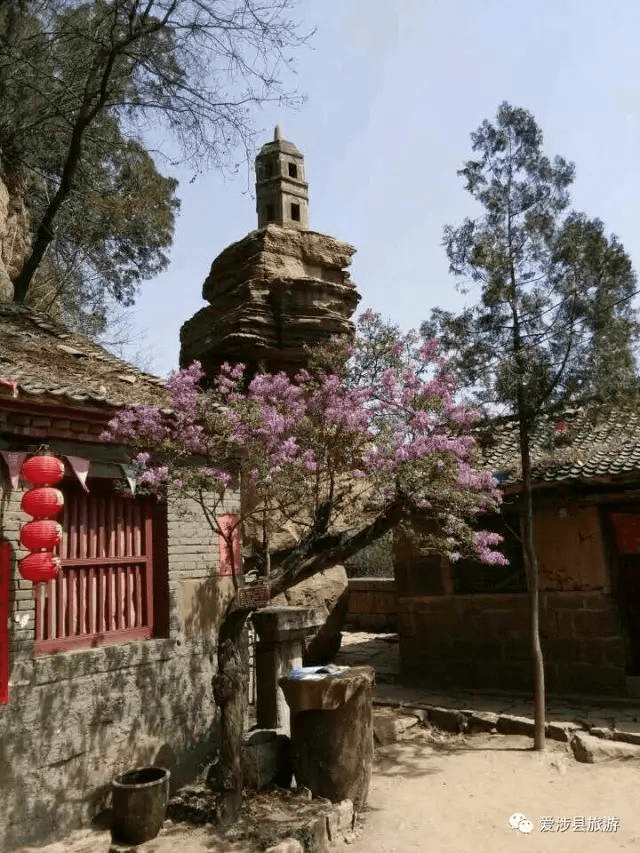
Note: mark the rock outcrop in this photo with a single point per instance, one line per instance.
(270, 294)
(15, 237)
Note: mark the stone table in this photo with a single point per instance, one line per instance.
(332, 731)
(281, 632)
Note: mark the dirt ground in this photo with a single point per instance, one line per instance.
(455, 794)
(441, 793)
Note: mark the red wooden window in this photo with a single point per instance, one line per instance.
(104, 593)
(5, 569)
(229, 556)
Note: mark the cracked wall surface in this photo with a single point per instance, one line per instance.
(76, 719)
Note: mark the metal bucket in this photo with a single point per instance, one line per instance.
(139, 803)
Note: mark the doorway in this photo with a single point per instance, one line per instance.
(626, 582)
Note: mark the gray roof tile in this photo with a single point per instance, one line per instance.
(79, 371)
(595, 445)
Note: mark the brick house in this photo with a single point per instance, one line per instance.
(109, 666)
(466, 624)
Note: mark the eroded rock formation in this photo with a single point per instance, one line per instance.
(270, 294)
(15, 238)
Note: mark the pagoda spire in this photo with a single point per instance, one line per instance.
(282, 195)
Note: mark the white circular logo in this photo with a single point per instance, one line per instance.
(514, 820)
(521, 823)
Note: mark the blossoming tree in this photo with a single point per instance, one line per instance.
(365, 438)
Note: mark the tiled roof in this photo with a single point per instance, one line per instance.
(583, 446)
(49, 362)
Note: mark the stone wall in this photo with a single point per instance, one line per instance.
(76, 719)
(373, 605)
(482, 641)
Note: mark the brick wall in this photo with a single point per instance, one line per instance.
(76, 719)
(372, 605)
(65, 423)
(482, 641)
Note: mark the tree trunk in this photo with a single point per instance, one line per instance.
(533, 586)
(93, 103)
(317, 553)
(230, 694)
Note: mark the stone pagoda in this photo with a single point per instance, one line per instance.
(277, 289)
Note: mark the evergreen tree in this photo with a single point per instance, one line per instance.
(554, 321)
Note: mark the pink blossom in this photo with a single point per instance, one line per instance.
(154, 477)
(484, 540)
(389, 414)
(224, 477)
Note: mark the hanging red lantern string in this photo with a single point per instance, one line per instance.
(42, 502)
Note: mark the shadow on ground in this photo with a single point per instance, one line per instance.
(423, 754)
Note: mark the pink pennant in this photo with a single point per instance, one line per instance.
(10, 383)
(229, 543)
(14, 464)
(80, 468)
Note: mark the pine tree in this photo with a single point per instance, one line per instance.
(554, 321)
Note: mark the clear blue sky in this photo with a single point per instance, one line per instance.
(394, 88)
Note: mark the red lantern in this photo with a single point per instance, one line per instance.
(42, 502)
(39, 567)
(43, 470)
(41, 535)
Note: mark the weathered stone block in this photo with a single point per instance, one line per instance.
(613, 651)
(345, 814)
(332, 734)
(281, 631)
(591, 750)
(266, 757)
(421, 714)
(561, 731)
(510, 725)
(567, 600)
(389, 727)
(447, 719)
(565, 624)
(482, 721)
(320, 835)
(627, 737)
(287, 845)
(595, 623)
(564, 649)
(328, 590)
(589, 678)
